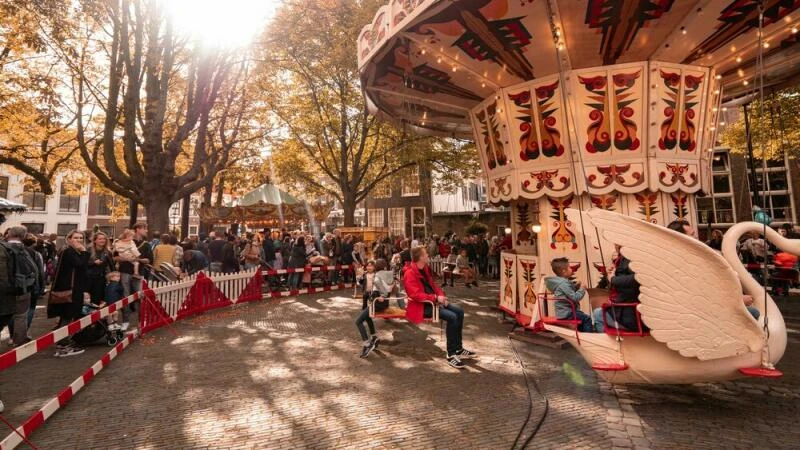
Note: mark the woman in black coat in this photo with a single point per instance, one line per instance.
(100, 263)
(297, 259)
(71, 275)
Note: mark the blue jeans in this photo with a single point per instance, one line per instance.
(454, 316)
(364, 317)
(586, 321)
(754, 312)
(294, 279)
(597, 314)
(129, 286)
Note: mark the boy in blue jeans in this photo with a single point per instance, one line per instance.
(568, 293)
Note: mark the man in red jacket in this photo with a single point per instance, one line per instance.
(421, 288)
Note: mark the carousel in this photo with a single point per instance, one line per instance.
(267, 205)
(595, 121)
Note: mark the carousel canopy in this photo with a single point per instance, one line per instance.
(268, 194)
(266, 205)
(576, 96)
(7, 206)
(429, 62)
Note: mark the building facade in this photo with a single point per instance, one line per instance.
(60, 213)
(731, 199)
(402, 204)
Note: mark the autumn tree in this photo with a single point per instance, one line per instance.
(160, 114)
(36, 135)
(327, 141)
(774, 126)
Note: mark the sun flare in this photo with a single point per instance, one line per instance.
(228, 23)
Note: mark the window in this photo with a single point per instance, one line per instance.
(418, 222)
(382, 189)
(722, 184)
(108, 230)
(4, 187)
(105, 204)
(35, 228)
(32, 197)
(777, 194)
(193, 229)
(718, 207)
(397, 222)
(70, 199)
(64, 228)
(410, 183)
(375, 217)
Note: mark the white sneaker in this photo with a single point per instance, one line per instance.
(114, 327)
(125, 326)
(2, 406)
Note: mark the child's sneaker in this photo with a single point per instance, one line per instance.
(125, 326)
(455, 362)
(365, 350)
(374, 341)
(465, 354)
(69, 351)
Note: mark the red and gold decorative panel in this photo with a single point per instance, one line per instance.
(609, 113)
(508, 283)
(539, 138)
(491, 136)
(503, 188)
(678, 97)
(372, 36)
(527, 285)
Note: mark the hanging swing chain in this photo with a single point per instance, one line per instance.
(761, 137)
(570, 116)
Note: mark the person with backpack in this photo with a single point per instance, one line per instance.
(18, 280)
(69, 284)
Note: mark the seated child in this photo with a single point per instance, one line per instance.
(463, 268)
(114, 293)
(567, 294)
(387, 284)
(367, 282)
(126, 248)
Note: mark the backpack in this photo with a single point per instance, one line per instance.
(22, 270)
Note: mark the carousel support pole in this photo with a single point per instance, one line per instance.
(750, 158)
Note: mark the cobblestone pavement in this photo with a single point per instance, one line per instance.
(285, 374)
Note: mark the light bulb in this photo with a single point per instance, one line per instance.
(536, 228)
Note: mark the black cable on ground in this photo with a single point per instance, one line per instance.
(530, 403)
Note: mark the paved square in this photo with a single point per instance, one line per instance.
(285, 374)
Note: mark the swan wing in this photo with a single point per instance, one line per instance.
(690, 296)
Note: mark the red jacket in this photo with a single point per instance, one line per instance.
(444, 250)
(415, 291)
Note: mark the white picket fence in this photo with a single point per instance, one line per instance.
(172, 294)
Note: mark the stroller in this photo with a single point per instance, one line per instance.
(97, 331)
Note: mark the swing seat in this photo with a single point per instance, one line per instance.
(553, 320)
(394, 313)
(610, 367)
(761, 372)
(612, 330)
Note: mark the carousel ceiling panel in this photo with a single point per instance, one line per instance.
(460, 52)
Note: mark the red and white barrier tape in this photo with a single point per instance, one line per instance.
(272, 272)
(39, 417)
(310, 290)
(16, 355)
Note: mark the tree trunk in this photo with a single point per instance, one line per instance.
(157, 208)
(133, 213)
(220, 190)
(208, 191)
(349, 206)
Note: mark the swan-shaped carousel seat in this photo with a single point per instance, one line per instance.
(691, 299)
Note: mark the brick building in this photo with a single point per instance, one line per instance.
(402, 204)
(731, 199)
